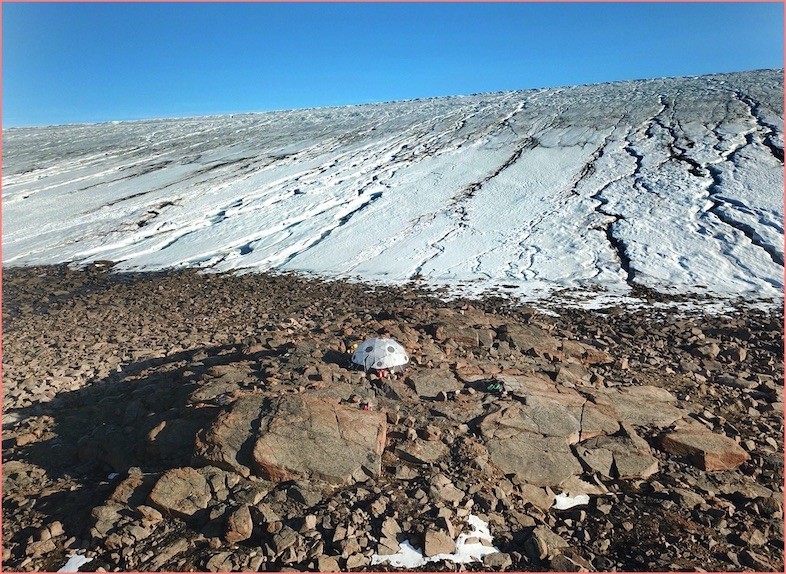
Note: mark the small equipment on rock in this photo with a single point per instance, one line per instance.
(378, 354)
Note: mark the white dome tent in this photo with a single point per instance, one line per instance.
(378, 354)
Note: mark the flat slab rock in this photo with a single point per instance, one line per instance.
(708, 451)
(620, 456)
(307, 437)
(532, 438)
(529, 339)
(545, 418)
(566, 415)
(642, 405)
(534, 459)
(429, 384)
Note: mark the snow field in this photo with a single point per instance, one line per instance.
(674, 184)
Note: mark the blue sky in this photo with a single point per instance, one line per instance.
(73, 63)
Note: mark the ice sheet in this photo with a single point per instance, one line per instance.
(673, 184)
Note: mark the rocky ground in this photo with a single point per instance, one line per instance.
(177, 421)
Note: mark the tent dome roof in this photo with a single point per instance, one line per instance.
(377, 353)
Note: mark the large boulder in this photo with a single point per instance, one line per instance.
(222, 444)
(309, 437)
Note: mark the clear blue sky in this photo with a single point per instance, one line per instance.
(69, 63)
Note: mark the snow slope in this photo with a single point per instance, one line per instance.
(675, 184)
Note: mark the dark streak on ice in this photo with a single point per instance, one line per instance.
(747, 230)
(341, 222)
(703, 170)
(458, 200)
(677, 152)
(617, 244)
(766, 127)
(440, 249)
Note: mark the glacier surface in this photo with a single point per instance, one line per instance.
(673, 184)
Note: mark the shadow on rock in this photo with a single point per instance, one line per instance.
(145, 416)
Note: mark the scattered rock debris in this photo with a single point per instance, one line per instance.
(182, 421)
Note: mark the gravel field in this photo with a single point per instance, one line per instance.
(179, 421)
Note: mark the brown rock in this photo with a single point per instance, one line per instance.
(598, 459)
(56, 529)
(459, 333)
(535, 459)
(709, 350)
(356, 561)
(634, 464)
(497, 561)
(736, 353)
(305, 493)
(442, 489)
(213, 390)
(530, 339)
(641, 405)
(220, 444)
(552, 410)
(304, 437)
(327, 564)
(596, 420)
(128, 488)
(526, 385)
(756, 561)
(593, 356)
(149, 514)
(284, 538)
(571, 374)
(706, 450)
(686, 498)
(181, 492)
(397, 389)
(422, 451)
(390, 528)
(540, 416)
(632, 457)
(171, 439)
(575, 486)
(309, 522)
(26, 438)
(220, 562)
(438, 542)
(570, 561)
(388, 546)
(238, 525)
(429, 384)
(105, 518)
(40, 547)
(539, 497)
(543, 543)
(430, 433)
(736, 382)
(163, 555)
